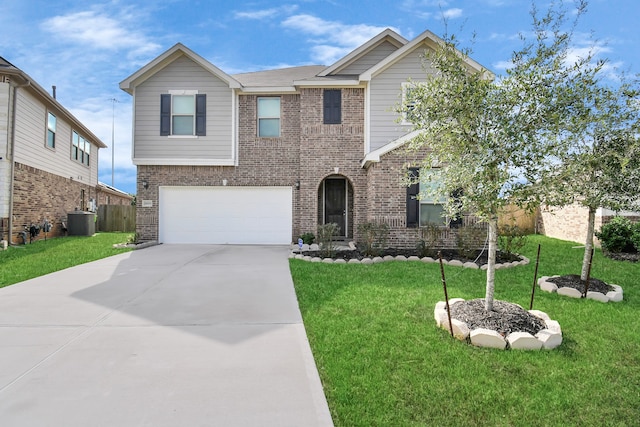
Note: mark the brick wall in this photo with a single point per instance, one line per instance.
(39, 195)
(105, 197)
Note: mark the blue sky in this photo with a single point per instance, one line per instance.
(86, 48)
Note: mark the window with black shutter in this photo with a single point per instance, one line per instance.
(183, 114)
(332, 100)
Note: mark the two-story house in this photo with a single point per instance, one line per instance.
(263, 157)
(48, 158)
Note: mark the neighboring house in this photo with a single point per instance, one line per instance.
(48, 159)
(571, 222)
(264, 157)
(108, 195)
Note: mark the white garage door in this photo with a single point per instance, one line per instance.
(219, 215)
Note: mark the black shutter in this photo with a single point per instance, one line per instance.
(332, 106)
(201, 115)
(457, 222)
(413, 204)
(165, 114)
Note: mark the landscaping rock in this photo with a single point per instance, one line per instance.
(353, 261)
(614, 296)
(314, 247)
(413, 258)
(299, 256)
(471, 265)
(454, 300)
(484, 267)
(377, 260)
(569, 292)
(327, 260)
(597, 296)
(523, 341)
(352, 246)
(340, 261)
(366, 261)
(547, 286)
(307, 258)
(400, 258)
(428, 259)
(553, 326)
(540, 314)
(388, 258)
(482, 337)
(460, 329)
(549, 339)
(316, 259)
(456, 263)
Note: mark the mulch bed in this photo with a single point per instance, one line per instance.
(479, 257)
(505, 317)
(623, 256)
(574, 281)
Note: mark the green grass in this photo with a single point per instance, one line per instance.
(383, 362)
(20, 263)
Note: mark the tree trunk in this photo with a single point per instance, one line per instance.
(588, 247)
(491, 265)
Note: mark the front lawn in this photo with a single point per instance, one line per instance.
(383, 362)
(24, 262)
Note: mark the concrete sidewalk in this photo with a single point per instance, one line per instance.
(172, 335)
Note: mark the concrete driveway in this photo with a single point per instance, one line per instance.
(172, 335)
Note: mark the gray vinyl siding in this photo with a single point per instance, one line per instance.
(183, 74)
(30, 143)
(386, 95)
(370, 59)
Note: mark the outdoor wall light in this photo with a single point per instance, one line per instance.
(297, 185)
(145, 184)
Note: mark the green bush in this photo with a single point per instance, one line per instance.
(616, 235)
(511, 238)
(308, 238)
(635, 236)
(468, 240)
(326, 235)
(429, 238)
(372, 238)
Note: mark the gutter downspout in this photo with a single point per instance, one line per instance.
(12, 148)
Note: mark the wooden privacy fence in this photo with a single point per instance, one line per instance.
(513, 215)
(117, 218)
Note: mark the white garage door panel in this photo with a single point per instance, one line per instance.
(240, 215)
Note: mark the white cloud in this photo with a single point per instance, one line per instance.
(502, 65)
(331, 39)
(452, 13)
(265, 13)
(98, 31)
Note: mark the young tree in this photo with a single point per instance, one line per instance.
(496, 141)
(602, 169)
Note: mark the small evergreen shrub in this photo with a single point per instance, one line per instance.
(468, 240)
(616, 235)
(635, 236)
(308, 238)
(373, 238)
(429, 238)
(326, 235)
(511, 238)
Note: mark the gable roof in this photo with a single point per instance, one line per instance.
(168, 57)
(387, 35)
(24, 80)
(428, 38)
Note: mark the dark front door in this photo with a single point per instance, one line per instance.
(335, 203)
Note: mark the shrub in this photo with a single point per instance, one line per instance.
(373, 238)
(467, 240)
(616, 235)
(635, 236)
(511, 238)
(429, 238)
(308, 238)
(326, 234)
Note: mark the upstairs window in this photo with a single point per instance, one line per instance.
(183, 113)
(51, 130)
(80, 149)
(408, 103)
(332, 106)
(269, 117)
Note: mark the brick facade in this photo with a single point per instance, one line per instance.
(39, 196)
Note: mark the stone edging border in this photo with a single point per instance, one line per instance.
(613, 296)
(136, 246)
(375, 260)
(548, 338)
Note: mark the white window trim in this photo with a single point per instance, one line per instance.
(406, 85)
(258, 117)
(173, 92)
